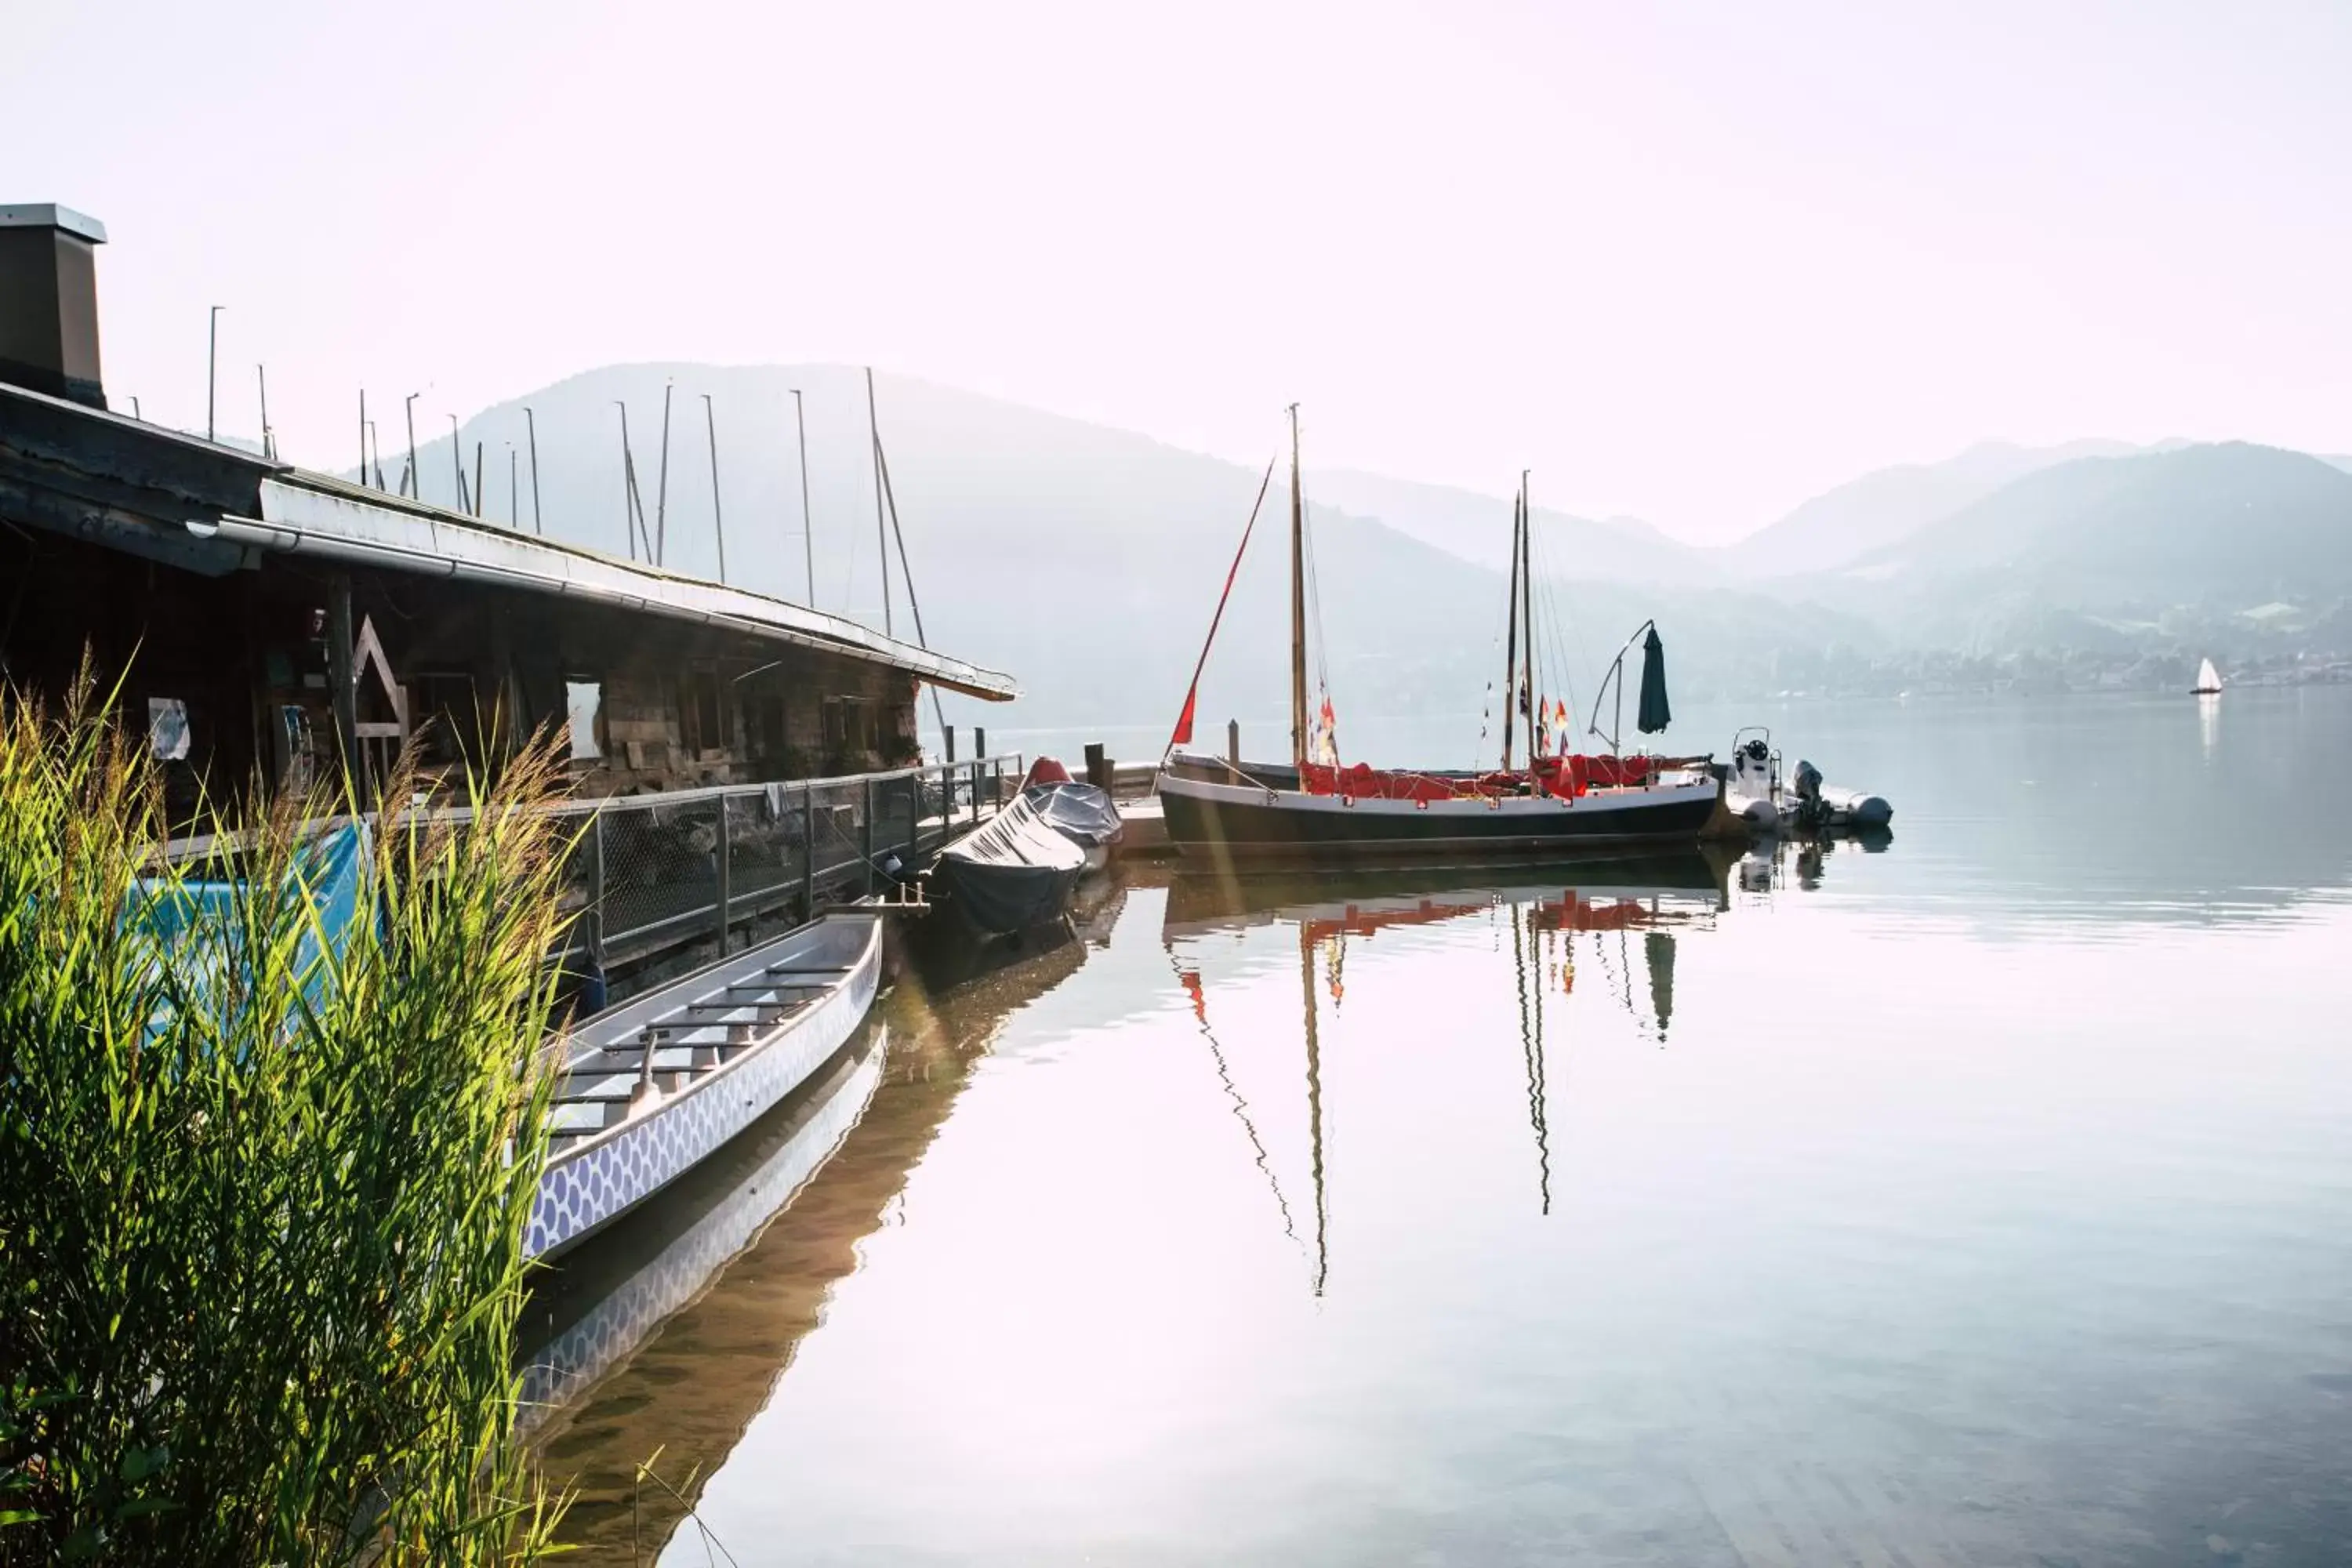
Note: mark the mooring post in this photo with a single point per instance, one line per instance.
(808, 851)
(1097, 769)
(1233, 743)
(949, 732)
(725, 904)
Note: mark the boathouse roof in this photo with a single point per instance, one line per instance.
(210, 507)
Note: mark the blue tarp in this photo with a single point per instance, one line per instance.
(332, 872)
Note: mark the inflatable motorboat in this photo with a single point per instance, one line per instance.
(1755, 792)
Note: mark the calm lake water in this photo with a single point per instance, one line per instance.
(1983, 1199)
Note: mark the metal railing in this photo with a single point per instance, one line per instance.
(651, 873)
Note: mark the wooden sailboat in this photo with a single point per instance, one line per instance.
(1314, 808)
(2208, 679)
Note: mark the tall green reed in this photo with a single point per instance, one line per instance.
(262, 1196)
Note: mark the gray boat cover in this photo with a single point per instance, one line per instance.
(1079, 812)
(1015, 872)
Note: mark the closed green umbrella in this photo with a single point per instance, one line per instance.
(1655, 713)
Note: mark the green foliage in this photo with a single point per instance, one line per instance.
(261, 1200)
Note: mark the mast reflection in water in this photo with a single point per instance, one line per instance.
(1545, 910)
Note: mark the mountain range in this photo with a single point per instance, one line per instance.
(1088, 560)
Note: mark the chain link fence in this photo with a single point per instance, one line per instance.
(650, 873)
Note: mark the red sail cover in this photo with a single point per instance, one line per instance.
(1569, 776)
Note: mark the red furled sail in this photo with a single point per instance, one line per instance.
(1183, 733)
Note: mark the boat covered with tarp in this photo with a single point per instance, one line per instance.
(1081, 813)
(1013, 872)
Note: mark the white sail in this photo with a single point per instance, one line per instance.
(2207, 677)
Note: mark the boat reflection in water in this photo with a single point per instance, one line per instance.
(590, 1314)
(1546, 908)
(720, 1274)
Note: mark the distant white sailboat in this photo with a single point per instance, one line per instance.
(2208, 679)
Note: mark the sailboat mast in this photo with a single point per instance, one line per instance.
(1297, 608)
(1511, 645)
(1528, 612)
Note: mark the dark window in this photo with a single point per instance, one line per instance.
(702, 711)
(444, 706)
(768, 715)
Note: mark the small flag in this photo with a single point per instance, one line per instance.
(1184, 736)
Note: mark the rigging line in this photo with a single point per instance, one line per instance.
(1315, 619)
(1194, 690)
(1548, 590)
(1554, 593)
(1576, 630)
(1240, 1106)
(907, 572)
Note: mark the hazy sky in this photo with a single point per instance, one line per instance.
(1691, 262)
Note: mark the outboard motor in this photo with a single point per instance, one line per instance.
(1812, 810)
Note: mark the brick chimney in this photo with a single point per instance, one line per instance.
(48, 301)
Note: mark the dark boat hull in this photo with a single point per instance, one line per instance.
(1215, 821)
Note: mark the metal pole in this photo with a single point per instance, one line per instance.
(481, 503)
(514, 494)
(808, 851)
(211, 369)
(1528, 617)
(1299, 722)
(1511, 643)
(869, 837)
(345, 698)
(661, 487)
(261, 379)
(415, 476)
(375, 444)
(808, 545)
(726, 901)
(628, 482)
(456, 466)
(596, 887)
(881, 538)
(363, 434)
(531, 424)
(718, 524)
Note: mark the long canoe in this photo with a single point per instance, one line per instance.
(652, 1087)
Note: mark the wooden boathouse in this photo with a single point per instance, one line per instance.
(275, 625)
(269, 619)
